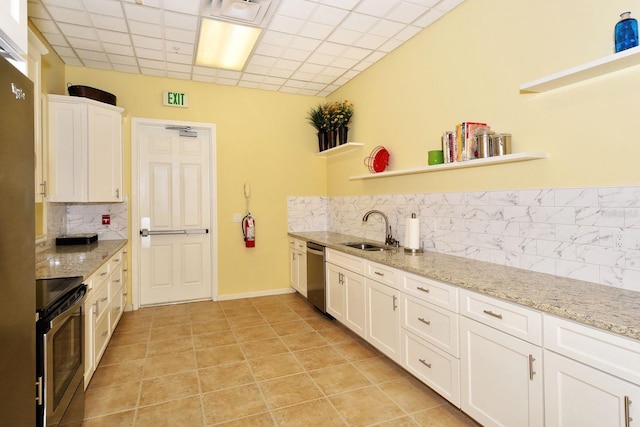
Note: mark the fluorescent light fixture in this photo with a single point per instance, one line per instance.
(225, 45)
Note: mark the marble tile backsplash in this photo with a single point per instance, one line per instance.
(77, 218)
(590, 234)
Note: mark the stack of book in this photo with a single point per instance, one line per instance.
(460, 145)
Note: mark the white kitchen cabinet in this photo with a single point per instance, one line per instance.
(13, 30)
(298, 265)
(434, 367)
(383, 319)
(577, 395)
(592, 377)
(103, 309)
(85, 150)
(501, 377)
(345, 298)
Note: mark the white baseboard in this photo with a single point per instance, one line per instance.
(256, 294)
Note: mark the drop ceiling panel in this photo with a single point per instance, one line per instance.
(308, 47)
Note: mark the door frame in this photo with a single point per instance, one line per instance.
(136, 124)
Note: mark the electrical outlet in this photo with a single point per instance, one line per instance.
(237, 217)
(619, 240)
(106, 219)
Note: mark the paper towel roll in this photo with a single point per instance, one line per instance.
(412, 234)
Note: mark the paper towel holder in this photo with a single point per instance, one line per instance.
(410, 251)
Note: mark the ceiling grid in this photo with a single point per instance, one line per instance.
(307, 47)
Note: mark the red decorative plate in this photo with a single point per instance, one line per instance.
(377, 160)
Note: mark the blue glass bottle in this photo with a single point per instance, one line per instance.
(626, 32)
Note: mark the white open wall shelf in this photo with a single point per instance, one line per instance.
(599, 67)
(340, 149)
(508, 158)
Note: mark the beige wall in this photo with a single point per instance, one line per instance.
(469, 66)
(262, 138)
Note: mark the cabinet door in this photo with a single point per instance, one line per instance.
(89, 316)
(294, 269)
(105, 155)
(501, 377)
(577, 395)
(334, 291)
(383, 319)
(67, 155)
(355, 295)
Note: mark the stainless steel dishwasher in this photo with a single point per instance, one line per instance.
(315, 275)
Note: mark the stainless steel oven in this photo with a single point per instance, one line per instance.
(59, 352)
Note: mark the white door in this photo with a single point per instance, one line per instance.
(174, 213)
(384, 319)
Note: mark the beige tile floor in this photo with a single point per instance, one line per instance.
(270, 361)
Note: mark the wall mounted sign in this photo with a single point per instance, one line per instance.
(175, 99)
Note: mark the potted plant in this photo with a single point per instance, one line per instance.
(341, 113)
(318, 117)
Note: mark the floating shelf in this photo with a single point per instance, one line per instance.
(508, 158)
(599, 67)
(340, 149)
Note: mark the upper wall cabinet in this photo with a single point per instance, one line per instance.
(85, 150)
(13, 31)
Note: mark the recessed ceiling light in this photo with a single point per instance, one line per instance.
(225, 45)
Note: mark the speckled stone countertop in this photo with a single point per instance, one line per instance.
(611, 309)
(75, 260)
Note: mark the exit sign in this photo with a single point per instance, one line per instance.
(175, 99)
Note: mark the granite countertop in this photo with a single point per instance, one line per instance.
(75, 260)
(604, 307)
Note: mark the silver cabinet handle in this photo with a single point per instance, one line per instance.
(627, 418)
(293, 256)
(103, 299)
(44, 189)
(420, 288)
(117, 193)
(104, 333)
(395, 306)
(426, 322)
(491, 313)
(424, 362)
(103, 274)
(116, 309)
(95, 312)
(378, 273)
(531, 371)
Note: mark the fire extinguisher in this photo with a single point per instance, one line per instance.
(248, 223)
(249, 230)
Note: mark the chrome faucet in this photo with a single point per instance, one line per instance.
(389, 240)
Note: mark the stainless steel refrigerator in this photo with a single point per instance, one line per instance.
(17, 252)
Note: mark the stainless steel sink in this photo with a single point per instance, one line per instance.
(367, 246)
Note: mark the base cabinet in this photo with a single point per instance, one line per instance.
(501, 377)
(577, 395)
(298, 266)
(103, 309)
(384, 319)
(345, 298)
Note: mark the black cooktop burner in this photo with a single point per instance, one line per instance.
(54, 294)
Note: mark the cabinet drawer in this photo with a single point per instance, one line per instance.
(433, 324)
(100, 275)
(432, 366)
(116, 308)
(510, 318)
(438, 293)
(347, 261)
(611, 353)
(101, 337)
(115, 282)
(101, 299)
(381, 273)
(115, 261)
